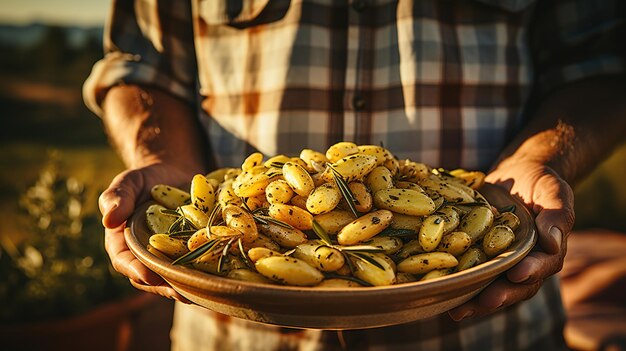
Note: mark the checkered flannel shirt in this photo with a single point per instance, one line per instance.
(444, 82)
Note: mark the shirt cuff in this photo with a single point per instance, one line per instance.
(555, 78)
(119, 68)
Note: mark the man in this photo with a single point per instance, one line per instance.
(532, 92)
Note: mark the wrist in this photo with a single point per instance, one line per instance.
(552, 148)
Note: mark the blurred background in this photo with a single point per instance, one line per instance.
(54, 161)
(57, 288)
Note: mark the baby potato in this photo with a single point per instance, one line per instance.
(288, 270)
(253, 160)
(508, 219)
(285, 237)
(437, 273)
(197, 217)
(278, 191)
(171, 247)
(298, 178)
(322, 257)
(202, 194)
(497, 239)
(239, 219)
(379, 152)
(341, 150)
(379, 178)
(169, 196)
(451, 218)
(292, 215)
(389, 244)
(257, 253)
(364, 227)
(372, 274)
(248, 184)
(402, 221)
(472, 257)
(431, 232)
(338, 283)
(323, 199)
(334, 221)
(352, 168)
(405, 201)
(477, 222)
(362, 196)
(411, 248)
(226, 195)
(157, 221)
(247, 275)
(426, 262)
(455, 243)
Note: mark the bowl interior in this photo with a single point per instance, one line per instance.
(366, 307)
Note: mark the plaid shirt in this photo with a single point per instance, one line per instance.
(444, 82)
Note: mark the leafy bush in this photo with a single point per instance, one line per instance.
(61, 269)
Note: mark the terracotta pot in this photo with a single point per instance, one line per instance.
(139, 322)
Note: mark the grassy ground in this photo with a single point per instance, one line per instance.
(93, 166)
(601, 197)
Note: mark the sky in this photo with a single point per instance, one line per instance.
(64, 12)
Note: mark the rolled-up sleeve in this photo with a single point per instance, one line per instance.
(148, 43)
(576, 39)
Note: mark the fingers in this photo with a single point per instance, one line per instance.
(124, 261)
(118, 201)
(553, 202)
(499, 294)
(162, 289)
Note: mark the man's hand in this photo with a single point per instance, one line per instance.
(129, 189)
(568, 134)
(158, 137)
(551, 199)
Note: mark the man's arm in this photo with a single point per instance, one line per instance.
(575, 128)
(148, 126)
(569, 134)
(158, 137)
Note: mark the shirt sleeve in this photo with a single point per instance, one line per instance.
(572, 40)
(148, 43)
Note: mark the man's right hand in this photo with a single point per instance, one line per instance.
(117, 203)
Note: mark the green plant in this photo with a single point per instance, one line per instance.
(61, 269)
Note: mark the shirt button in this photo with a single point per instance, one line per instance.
(359, 5)
(358, 103)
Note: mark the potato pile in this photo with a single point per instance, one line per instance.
(353, 216)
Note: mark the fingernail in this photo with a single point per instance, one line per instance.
(556, 234)
(466, 314)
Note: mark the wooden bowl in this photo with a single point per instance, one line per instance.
(323, 308)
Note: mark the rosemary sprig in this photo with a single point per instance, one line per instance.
(345, 190)
(510, 208)
(168, 212)
(277, 164)
(203, 249)
(182, 234)
(321, 233)
(364, 257)
(400, 233)
(212, 217)
(220, 261)
(180, 224)
(243, 254)
(347, 277)
(260, 215)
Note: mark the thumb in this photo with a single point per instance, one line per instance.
(118, 201)
(553, 203)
